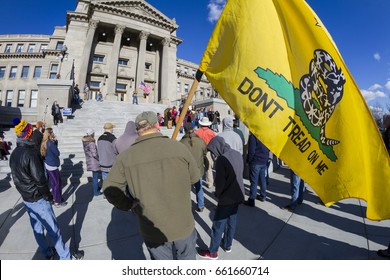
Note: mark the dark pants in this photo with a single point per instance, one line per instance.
(55, 183)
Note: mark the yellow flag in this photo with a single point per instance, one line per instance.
(277, 67)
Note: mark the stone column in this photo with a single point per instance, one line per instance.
(143, 36)
(164, 74)
(113, 63)
(82, 77)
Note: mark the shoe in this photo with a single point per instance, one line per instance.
(52, 255)
(200, 209)
(384, 253)
(249, 202)
(62, 204)
(227, 249)
(289, 208)
(79, 255)
(206, 254)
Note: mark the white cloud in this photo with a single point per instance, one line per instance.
(215, 8)
(377, 56)
(387, 85)
(370, 95)
(374, 87)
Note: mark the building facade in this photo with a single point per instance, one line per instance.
(110, 45)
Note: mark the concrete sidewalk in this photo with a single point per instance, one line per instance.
(312, 232)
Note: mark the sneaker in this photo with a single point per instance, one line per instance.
(79, 255)
(62, 204)
(227, 249)
(384, 253)
(207, 255)
(200, 209)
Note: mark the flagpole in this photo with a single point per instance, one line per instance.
(194, 85)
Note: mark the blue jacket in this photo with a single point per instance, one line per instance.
(52, 157)
(257, 152)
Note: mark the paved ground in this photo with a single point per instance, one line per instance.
(312, 232)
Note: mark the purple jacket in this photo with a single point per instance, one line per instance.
(91, 154)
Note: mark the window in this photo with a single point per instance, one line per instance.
(95, 84)
(186, 88)
(37, 71)
(2, 71)
(22, 95)
(25, 70)
(53, 71)
(122, 61)
(9, 97)
(178, 86)
(208, 92)
(177, 68)
(186, 70)
(31, 48)
(8, 48)
(12, 73)
(59, 46)
(19, 48)
(34, 99)
(43, 47)
(98, 58)
(148, 66)
(121, 86)
(193, 72)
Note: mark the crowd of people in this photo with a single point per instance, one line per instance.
(153, 183)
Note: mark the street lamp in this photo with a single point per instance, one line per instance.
(61, 56)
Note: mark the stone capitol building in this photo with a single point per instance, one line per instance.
(110, 45)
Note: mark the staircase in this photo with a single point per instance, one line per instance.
(93, 114)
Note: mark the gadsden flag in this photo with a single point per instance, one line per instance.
(277, 67)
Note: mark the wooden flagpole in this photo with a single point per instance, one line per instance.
(194, 85)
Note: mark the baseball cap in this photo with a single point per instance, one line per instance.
(146, 118)
(89, 132)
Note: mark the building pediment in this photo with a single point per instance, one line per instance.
(136, 9)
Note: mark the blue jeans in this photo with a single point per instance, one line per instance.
(135, 100)
(199, 193)
(224, 223)
(297, 189)
(42, 217)
(95, 183)
(258, 174)
(104, 175)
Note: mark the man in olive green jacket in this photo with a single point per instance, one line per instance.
(158, 173)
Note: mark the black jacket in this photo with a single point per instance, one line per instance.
(28, 173)
(229, 169)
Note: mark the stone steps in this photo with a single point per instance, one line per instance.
(69, 133)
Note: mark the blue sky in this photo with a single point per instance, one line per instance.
(359, 28)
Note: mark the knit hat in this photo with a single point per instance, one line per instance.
(90, 131)
(22, 128)
(146, 118)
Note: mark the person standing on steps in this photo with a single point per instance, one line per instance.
(51, 155)
(92, 159)
(106, 149)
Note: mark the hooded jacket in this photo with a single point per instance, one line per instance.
(91, 153)
(229, 168)
(127, 138)
(106, 150)
(231, 137)
(28, 173)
